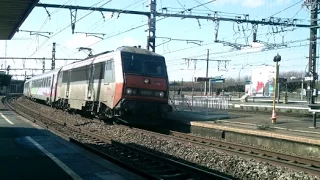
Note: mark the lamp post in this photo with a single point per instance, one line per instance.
(239, 75)
(194, 80)
(276, 59)
(241, 69)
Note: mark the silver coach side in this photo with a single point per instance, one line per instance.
(90, 81)
(42, 87)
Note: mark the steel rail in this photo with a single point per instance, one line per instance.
(308, 165)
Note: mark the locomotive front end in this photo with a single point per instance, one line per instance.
(145, 90)
(145, 95)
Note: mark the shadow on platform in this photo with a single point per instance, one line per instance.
(196, 116)
(23, 160)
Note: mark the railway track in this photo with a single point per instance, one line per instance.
(308, 165)
(144, 163)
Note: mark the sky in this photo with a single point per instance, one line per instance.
(120, 30)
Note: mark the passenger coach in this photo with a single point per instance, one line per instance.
(42, 87)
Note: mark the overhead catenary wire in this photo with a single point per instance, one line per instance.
(137, 27)
(203, 45)
(69, 25)
(241, 37)
(131, 6)
(300, 1)
(235, 55)
(45, 22)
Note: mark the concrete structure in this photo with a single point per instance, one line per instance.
(291, 134)
(15, 86)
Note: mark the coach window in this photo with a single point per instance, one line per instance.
(65, 77)
(109, 75)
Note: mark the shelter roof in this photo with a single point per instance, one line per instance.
(12, 14)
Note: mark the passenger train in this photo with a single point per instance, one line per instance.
(129, 83)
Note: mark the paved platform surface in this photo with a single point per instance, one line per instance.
(294, 108)
(301, 105)
(289, 128)
(29, 152)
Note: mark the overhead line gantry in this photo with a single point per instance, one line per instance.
(152, 14)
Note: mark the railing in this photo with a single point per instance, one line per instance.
(203, 104)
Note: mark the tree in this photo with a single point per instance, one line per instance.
(290, 74)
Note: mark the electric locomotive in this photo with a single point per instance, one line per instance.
(130, 84)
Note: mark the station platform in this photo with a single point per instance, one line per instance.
(265, 105)
(257, 104)
(30, 152)
(256, 129)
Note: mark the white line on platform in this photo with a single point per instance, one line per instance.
(55, 159)
(5, 118)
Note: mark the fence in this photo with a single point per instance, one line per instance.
(208, 105)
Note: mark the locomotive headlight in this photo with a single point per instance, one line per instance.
(129, 91)
(161, 93)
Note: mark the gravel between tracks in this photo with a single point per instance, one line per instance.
(230, 164)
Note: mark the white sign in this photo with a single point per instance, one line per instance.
(262, 81)
(308, 78)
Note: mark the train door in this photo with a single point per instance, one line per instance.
(60, 81)
(52, 87)
(90, 81)
(68, 83)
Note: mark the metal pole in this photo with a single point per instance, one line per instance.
(278, 93)
(207, 72)
(274, 119)
(53, 61)
(278, 84)
(193, 80)
(43, 65)
(174, 87)
(223, 89)
(302, 90)
(313, 46)
(5, 54)
(151, 41)
(314, 117)
(239, 82)
(209, 86)
(181, 86)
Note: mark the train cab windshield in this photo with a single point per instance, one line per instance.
(144, 65)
